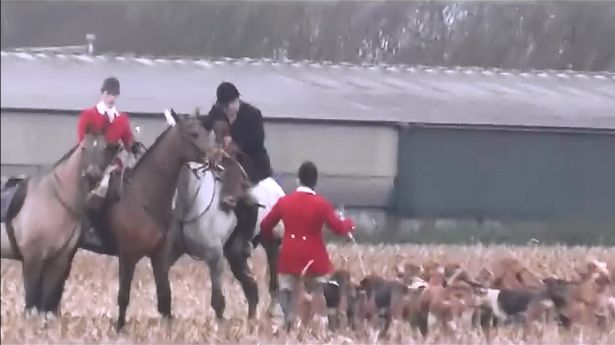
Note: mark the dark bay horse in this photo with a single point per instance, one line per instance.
(44, 218)
(138, 219)
(216, 216)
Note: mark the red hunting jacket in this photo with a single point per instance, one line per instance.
(304, 213)
(117, 130)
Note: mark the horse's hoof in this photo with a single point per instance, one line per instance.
(119, 325)
(49, 315)
(166, 321)
(30, 311)
(275, 310)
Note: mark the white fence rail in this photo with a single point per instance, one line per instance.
(87, 48)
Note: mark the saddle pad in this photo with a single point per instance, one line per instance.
(6, 199)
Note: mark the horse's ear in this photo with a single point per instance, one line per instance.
(176, 117)
(171, 117)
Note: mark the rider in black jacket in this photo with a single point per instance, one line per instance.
(246, 130)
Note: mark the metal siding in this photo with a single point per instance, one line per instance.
(492, 174)
(318, 90)
(367, 151)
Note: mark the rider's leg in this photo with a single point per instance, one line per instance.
(103, 186)
(287, 284)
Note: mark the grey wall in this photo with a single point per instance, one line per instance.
(439, 172)
(503, 174)
(357, 163)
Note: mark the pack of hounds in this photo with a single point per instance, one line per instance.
(443, 298)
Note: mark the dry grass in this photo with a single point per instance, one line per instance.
(89, 303)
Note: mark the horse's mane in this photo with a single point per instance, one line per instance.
(65, 157)
(151, 148)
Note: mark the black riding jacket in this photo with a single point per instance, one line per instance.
(249, 134)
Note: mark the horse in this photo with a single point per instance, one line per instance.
(216, 215)
(266, 201)
(137, 215)
(42, 223)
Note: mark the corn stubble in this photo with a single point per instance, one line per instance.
(89, 303)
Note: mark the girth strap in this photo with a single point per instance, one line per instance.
(10, 232)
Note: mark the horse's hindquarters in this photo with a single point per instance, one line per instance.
(7, 249)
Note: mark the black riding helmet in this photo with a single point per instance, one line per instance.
(225, 93)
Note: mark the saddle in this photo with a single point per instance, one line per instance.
(95, 236)
(13, 194)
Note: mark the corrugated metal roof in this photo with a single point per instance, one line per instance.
(311, 90)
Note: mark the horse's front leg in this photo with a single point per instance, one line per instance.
(272, 250)
(55, 276)
(127, 270)
(32, 272)
(163, 286)
(176, 245)
(239, 266)
(216, 267)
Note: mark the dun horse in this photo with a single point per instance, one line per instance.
(215, 214)
(138, 216)
(43, 220)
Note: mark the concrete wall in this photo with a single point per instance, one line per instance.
(357, 163)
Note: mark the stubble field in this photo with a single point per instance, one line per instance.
(89, 303)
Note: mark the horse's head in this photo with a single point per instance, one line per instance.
(96, 155)
(235, 183)
(195, 141)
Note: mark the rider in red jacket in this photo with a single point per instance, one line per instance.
(303, 249)
(105, 116)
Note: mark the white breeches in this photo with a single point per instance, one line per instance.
(267, 192)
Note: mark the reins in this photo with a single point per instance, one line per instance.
(196, 194)
(183, 222)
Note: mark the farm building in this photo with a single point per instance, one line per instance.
(420, 142)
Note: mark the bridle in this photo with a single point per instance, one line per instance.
(75, 212)
(185, 138)
(195, 171)
(215, 170)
